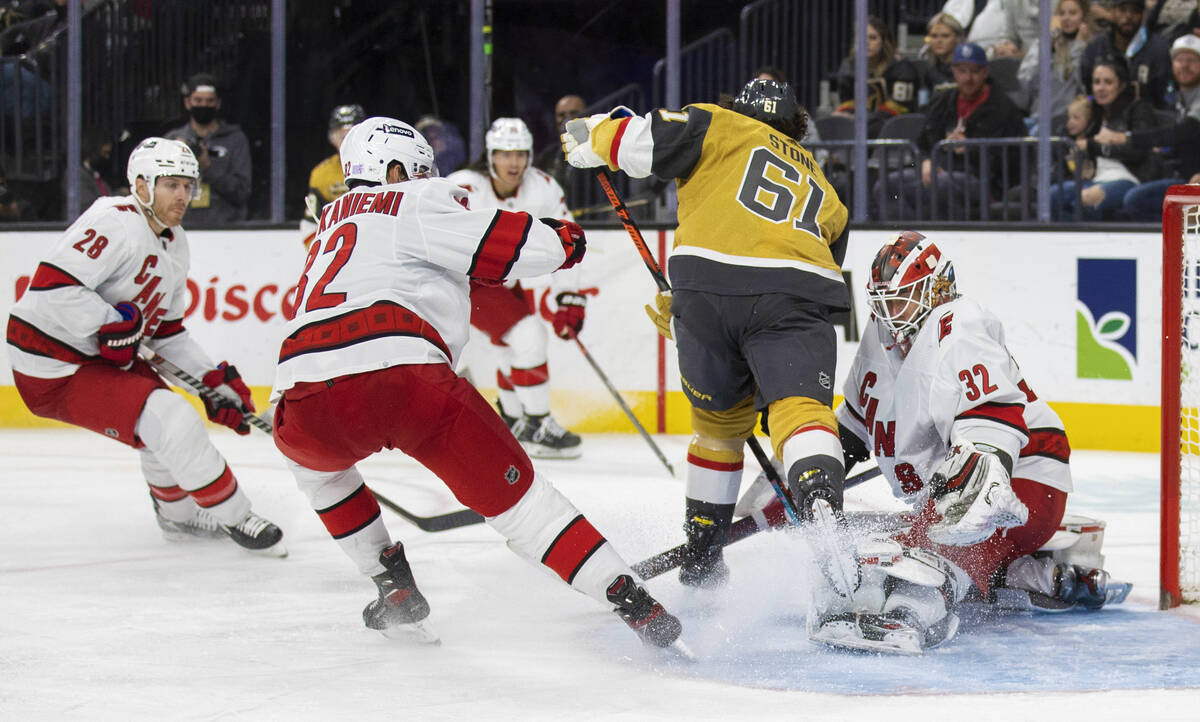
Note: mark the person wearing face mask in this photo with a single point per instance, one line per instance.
(223, 152)
(94, 181)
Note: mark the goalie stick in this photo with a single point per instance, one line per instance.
(441, 522)
(771, 516)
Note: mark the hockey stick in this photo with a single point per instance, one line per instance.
(588, 210)
(442, 522)
(771, 516)
(624, 407)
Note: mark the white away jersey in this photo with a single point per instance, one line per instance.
(386, 281)
(958, 381)
(538, 195)
(107, 256)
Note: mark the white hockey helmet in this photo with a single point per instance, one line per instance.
(155, 158)
(909, 278)
(374, 144)
(507, 134)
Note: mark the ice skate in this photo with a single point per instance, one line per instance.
(202, 525)
(654, 625)
(258, 535)
(509, 421)
(1057, 587)
(703, 563)
(545, 438)
(400, 610)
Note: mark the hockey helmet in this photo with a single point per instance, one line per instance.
(345, 116)
(507, 134)
(374, 144)
(155, 158)
(767, 100)
(909, 277)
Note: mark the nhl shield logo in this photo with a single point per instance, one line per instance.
(112, 433)
(824, 380)
(512, 476)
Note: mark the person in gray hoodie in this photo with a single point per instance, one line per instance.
(223, 152)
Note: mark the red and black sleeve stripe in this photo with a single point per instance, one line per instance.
(1010, 415)
(33, 340)
(49, 277)
(501, 246)
(167, 329)
(1048, 442)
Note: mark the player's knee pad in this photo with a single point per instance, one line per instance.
(526, 342)
(733, 424)
(174, 433)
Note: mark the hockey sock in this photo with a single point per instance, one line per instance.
(349, 512)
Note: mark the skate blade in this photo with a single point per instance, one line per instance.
(839, 566)
(414, 632)
(680, 650)
(541, 452)
(1117, 592)
(275, 551)
(845, 636)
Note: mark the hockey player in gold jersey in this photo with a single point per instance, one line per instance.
(325, 183)
(755, 275)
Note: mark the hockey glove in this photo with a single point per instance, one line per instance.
(119, 340)
(568, 319)
(576, 141)
(571, 237)
(973, 493)
(661, 315)
(224, 411)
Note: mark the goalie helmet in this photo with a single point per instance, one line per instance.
(507, 134)
(155, 158)
(767, 100)
(374, 144)
(909, 277)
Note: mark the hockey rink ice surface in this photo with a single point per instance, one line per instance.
(101, 618)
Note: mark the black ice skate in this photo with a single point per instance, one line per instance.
(653, 624)
(400, 609)
(707, 528)
(202, 525)
(544, 438)
(509, 421)
(258, 535)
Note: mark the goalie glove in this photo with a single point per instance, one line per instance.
(973, 493)
(577, 143)
(660, 314)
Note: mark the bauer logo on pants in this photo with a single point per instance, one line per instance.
(1106, 318)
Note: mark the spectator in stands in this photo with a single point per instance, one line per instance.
(943, 34)
(449, 149)
(1171, 18)
(1148, 54)
(969, 110)
(1119, 168)
(1180, 141)
(325, 181)
(27, 23)
(10, 204)
(1068, 38)
(992, 24)
(892, 81)
(551, 159)
(223, 152)
(97, 162)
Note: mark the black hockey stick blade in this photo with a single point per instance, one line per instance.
(440, 522)
(772, 516)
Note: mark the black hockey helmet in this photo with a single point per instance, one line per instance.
(345, 116)
(767, 100)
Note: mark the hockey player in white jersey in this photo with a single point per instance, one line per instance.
(506, 179)
(367, 363)
(961, 436)
(116, 279)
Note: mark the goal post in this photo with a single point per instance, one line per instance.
(1179, 566)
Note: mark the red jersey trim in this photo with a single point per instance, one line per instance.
(379, 320)
(501, 246)
(1011, 415)
(167, 329)
(350, 515)
(33, 340)
(1049, 442)
(48, 277)
(616, 141)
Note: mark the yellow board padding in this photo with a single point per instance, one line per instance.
(1089, 426)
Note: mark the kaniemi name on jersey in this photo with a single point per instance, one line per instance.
(387, 203)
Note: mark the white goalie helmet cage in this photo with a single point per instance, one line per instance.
(507, 134)
(374, 144)
(156, 158)
(909, 277)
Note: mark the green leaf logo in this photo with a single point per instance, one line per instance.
(1098, 355)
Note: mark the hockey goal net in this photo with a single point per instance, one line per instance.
(1180, 533)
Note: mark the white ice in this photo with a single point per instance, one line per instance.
(100, 618)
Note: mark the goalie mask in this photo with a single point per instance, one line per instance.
(909, 277)
(508, 134)
(374, 144)
(156, 158)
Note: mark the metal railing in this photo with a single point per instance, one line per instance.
(30, 124)
(708, 67)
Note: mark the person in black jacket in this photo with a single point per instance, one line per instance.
(1147, 53)
(972, 109)
(892, 81)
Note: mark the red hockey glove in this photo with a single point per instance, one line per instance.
(568, 319)
(572, 239)
(223, 411)
(119, 340)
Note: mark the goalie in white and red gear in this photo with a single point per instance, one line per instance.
(368, 363)
(959, 434)
(116, 279)
(505, 178)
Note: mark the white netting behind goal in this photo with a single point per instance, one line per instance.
(1189, 405)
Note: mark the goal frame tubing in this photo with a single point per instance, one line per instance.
(1172, 323)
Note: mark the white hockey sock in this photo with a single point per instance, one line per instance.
(808, 445)
(544, 526)
(510, 405)
(177, 439)
(327, 491)
(525, 354)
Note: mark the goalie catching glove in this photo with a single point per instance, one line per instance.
(227, 382)
(576, 141)
(660, 314)
(973, 493)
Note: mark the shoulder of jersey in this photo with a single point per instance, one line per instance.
(114, 211)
